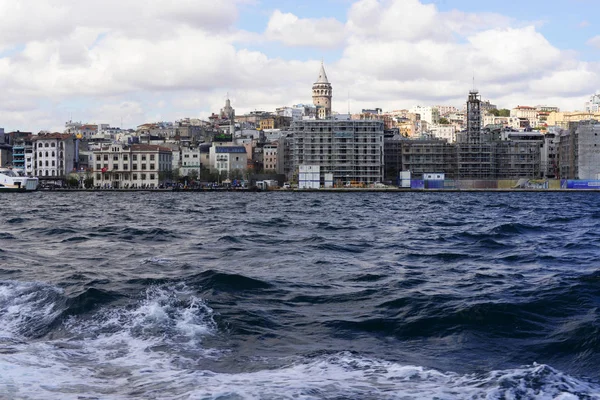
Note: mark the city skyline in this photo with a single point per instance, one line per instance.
(131, 62)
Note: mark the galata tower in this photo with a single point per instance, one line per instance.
(322, 93)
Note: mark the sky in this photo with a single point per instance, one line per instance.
(128, 62)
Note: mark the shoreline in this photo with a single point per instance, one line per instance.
(328, 190)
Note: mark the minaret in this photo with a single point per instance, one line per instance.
(229, 113)
(322, 93)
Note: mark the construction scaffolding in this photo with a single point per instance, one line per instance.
(350, 150)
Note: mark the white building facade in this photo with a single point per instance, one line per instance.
(136, 166)
(228, 158)
(447, 132)
(429, 114)
(593, 106)
(54, 155)
(529, 113)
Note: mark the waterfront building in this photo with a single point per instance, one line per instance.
(23, 157)
(285, 158)
(6, 151)
(189, 161)
(578, 150)
(549, 154)
(420, 157)
(54, 155)
(494, 153)
(518, 155)
(351, 150)
(227, 158)
(132, 166)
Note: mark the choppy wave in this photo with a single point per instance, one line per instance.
(367, 296)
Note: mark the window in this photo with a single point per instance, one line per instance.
(134, 166)
(53, 172)
(40, 154)
(135, 177)
(151, 176)
(46, 154)
(53, 155)
(134, 157)
(53, 164)
(98, 166)
(152, 166)
(151, 157)
(41, 163)
(53, 144)
(45, 144)
(46, 163)
(125, 167)
(98, 177)
(143, 177)
(106, 157)
(125, 157)
(98, 157)
(115, 157)
(143, 167)
(143, 157)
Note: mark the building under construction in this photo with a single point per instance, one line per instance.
(351, 150)
(579, 150)
(492, 152)
(419, 156)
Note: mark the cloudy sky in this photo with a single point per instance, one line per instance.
(134, 61)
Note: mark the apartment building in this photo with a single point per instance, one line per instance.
(53, 154)
(270, 157)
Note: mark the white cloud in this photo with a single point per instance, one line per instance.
(138, 60)
(293, 31)
(595, 42)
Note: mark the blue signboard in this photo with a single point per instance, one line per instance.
(417, 184)
(583, 184)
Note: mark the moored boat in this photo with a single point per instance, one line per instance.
(12, 181)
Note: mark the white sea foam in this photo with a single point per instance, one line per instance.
(135, 351)
(27, 307)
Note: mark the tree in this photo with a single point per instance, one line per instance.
(504, 112)
(72, 182)
(88, 182)
(237, 174)
(444, 121)
(193, 175)
(223, 175)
